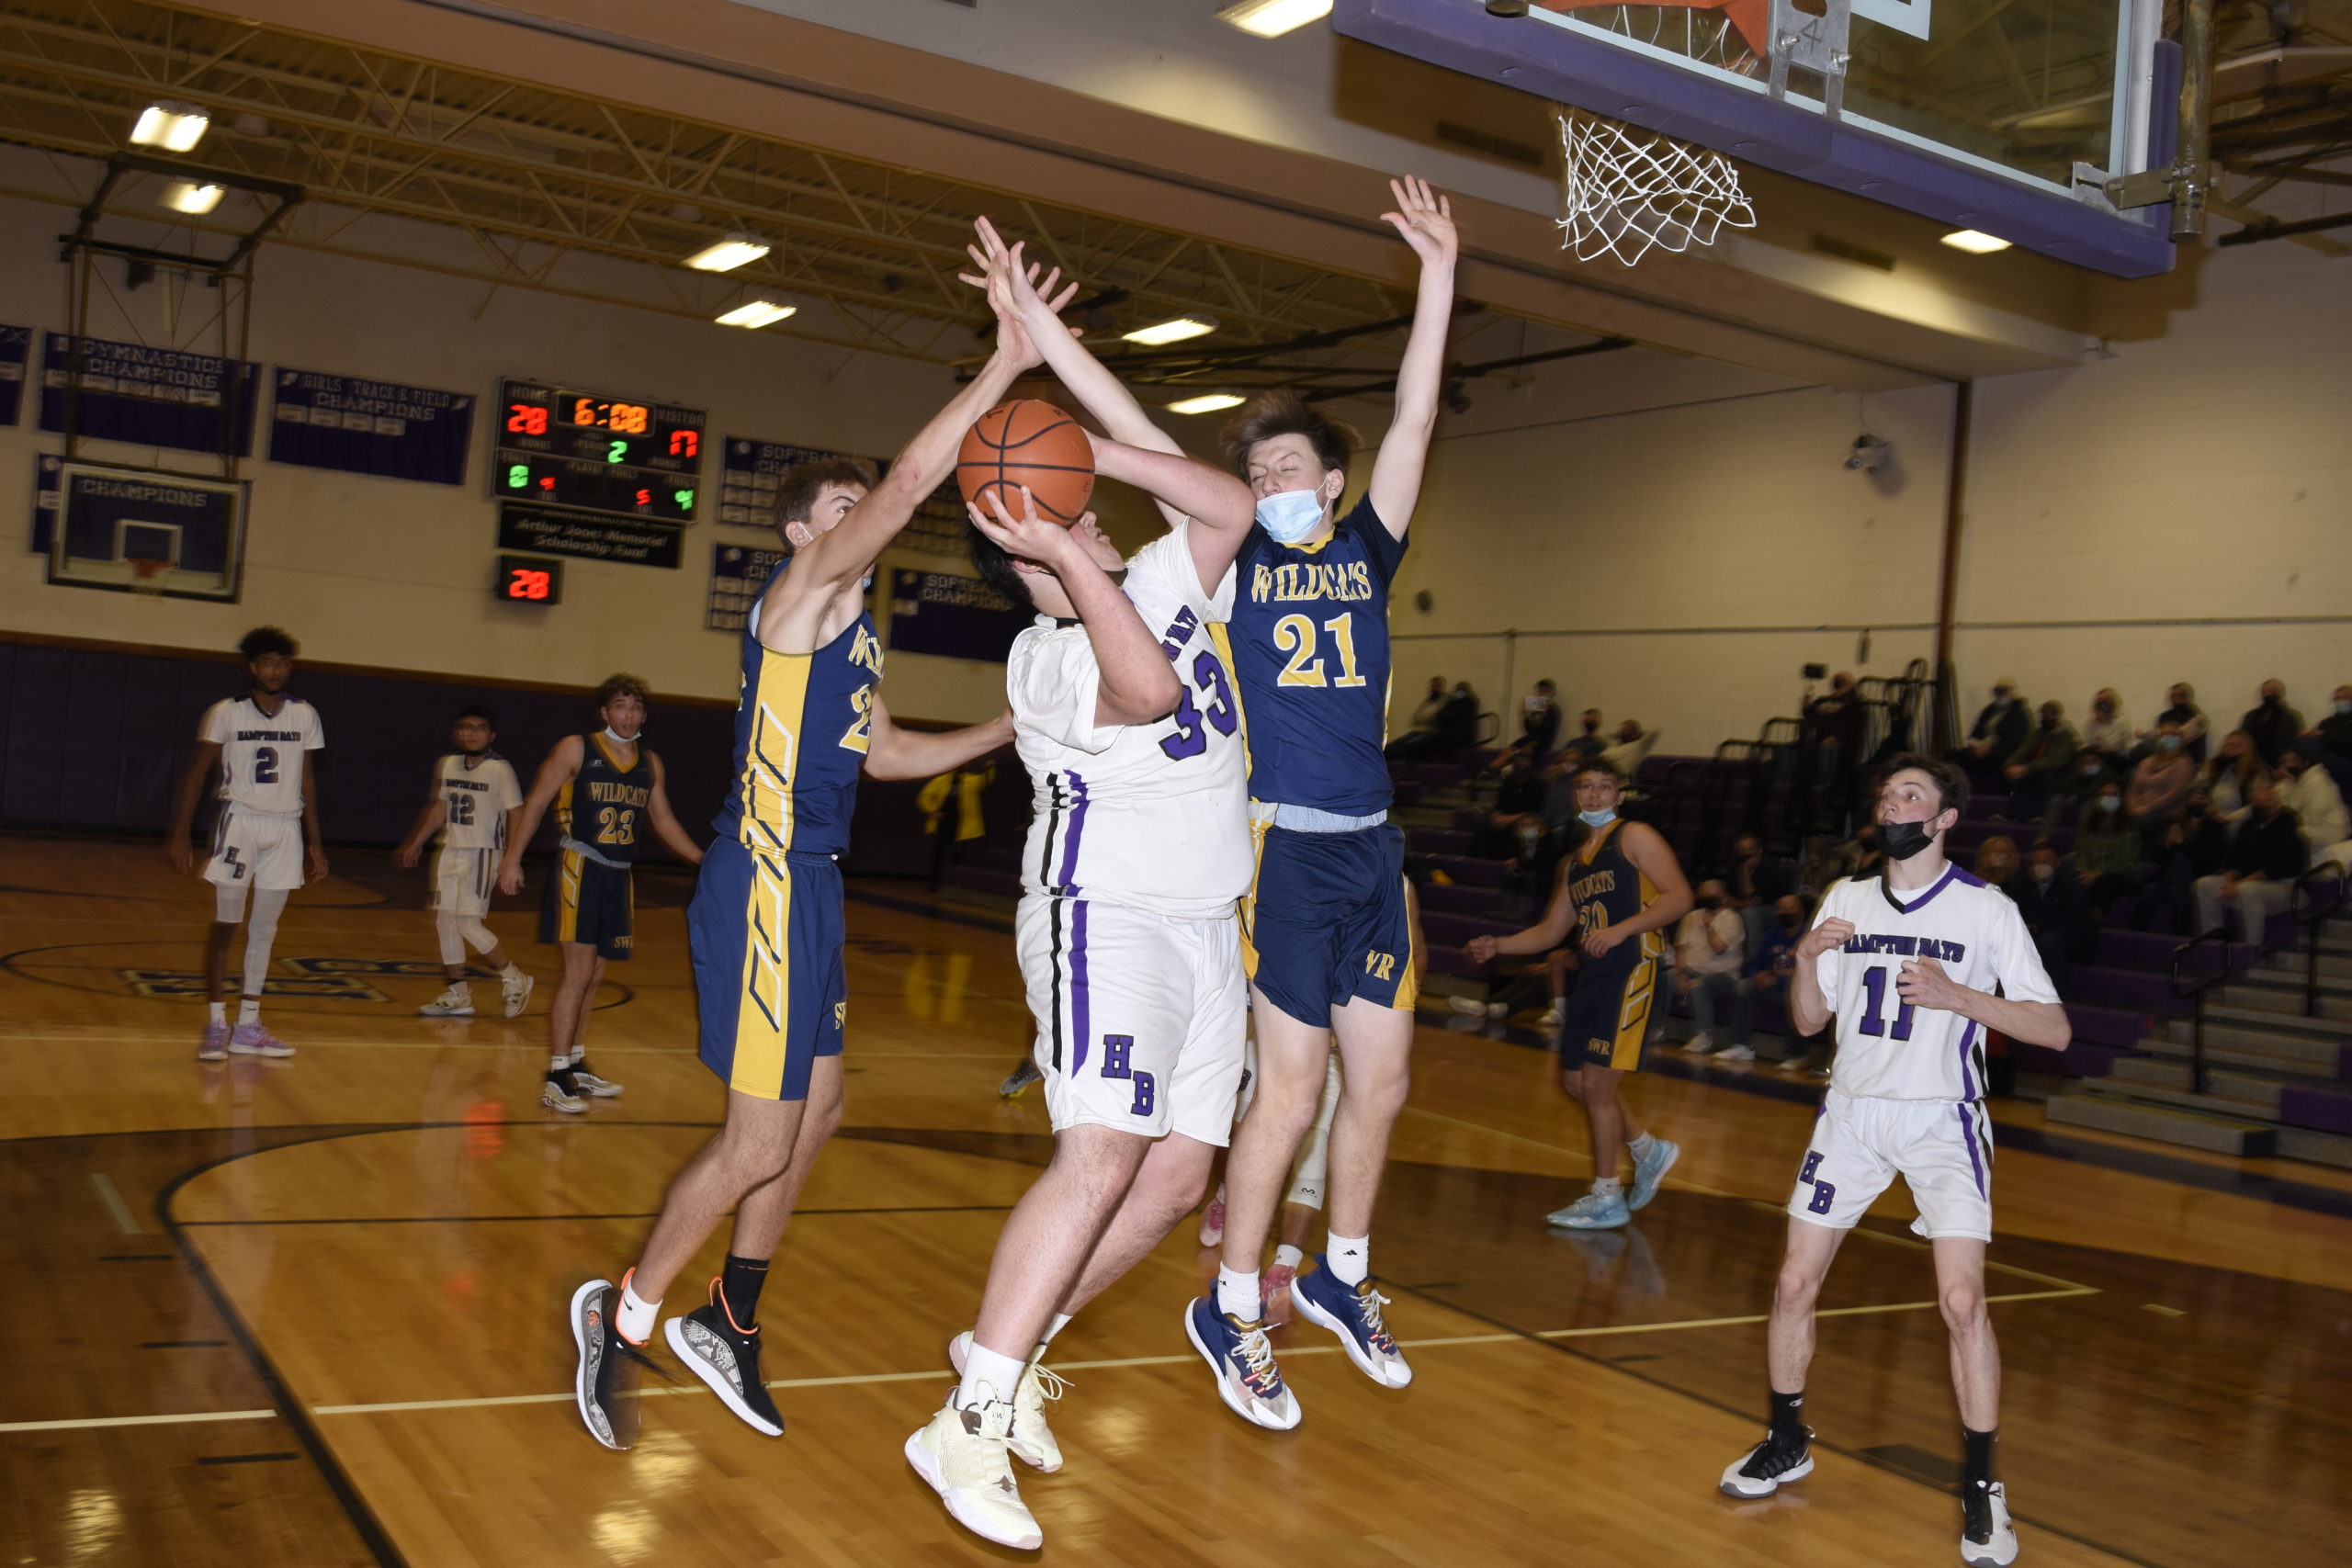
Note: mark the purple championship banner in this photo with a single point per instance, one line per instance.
(151, 397)
(16, 348)
(951, 616)
(737, 572)
(358, 427)
(750, 474)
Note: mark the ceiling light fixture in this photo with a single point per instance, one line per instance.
(756, 313)
(176, 127)
(1272, 18)
(196, 200)
(1161, 333)
(1208, 402)
(1974, 244)
(728, 253)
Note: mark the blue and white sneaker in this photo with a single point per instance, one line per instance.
(1352, 1312)
(1243, 1359)
(1591, 1212)
(1649, 1173)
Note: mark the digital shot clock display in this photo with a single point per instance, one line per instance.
(615, 455)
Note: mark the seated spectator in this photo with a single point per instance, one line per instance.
(1420, 730)
(1999, 731)
(1634, 744)
(1587, 742)
(2230, 775)
(1710, 950)
(1539, 722)
(2334, 737)
(2186, 717)
(2270, 724)
(2051, 904)
(2161, 780)
(1996, 861)
(1523, 788)
(2110, 728)
(2305, 789)
(1755, 885)
(1454, 728)
(1837, 719)
(2038, 766)
(1862, 855)
(2092, 772)
(2259, 874)
(2192, 845)
(2108, 846)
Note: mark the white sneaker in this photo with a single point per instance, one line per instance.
(515, 994)
(1987, 1539)
(1699, 1044)
(1470, 1007)
(1552, 1020)
(561, 1092)
(455, 1002)
(1735, 1054)
(965, 1456)
(1032, 1441)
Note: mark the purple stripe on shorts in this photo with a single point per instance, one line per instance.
(1078, 1021)
(1077, 827)
(1967, 1078)
(1968, 1137)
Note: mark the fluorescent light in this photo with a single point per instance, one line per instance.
(1272, 18)
(1974, 244)
(756, 313)
(196, 200)
(1208, 402)
(176, 127)
(727, 254)
(1176, 331)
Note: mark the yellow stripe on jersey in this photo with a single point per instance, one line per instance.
(763, 1013)
(1258, 823)
(563, 808)
(1221, 637)
(772, 750)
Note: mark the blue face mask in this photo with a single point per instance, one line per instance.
(1596, 818)
(1291, 516)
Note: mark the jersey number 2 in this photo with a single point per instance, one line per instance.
(1295, 635)
(1874, 1020)
(265, 764)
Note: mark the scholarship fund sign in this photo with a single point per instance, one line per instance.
(148, 397)
(360, 427)
(951, 616)
(561, 531)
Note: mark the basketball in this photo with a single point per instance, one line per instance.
(1028, 445)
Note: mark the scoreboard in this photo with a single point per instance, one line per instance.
(615, 455)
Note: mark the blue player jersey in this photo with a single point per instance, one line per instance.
(1309, 641)
(801, 731)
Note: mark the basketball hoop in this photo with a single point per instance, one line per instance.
(1629, 190)
(147, 575)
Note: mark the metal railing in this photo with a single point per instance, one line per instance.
(2310, 913)
(2218, 935)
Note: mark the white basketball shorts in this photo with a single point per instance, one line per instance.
(257, 849)
(1942, 1148)
(462, 880)
(1140, 1017)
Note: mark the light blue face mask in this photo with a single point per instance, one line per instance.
(1291, 516)
(1596, 818)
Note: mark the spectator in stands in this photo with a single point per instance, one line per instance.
(2334, 736)
(1996, 861)
(1862, 855)
(2229, 778)
(1836, 719)
(2161, 782)
(2186, 717)
(1424, 719)
(2051, 904)
(2108, 848)
(1453, 726)
(2193, 845)
(1633, 746)
(1710, 950)
(1999, 731)
(1765, 981)
(2259, 874)
(1523, 788)
(1538, 721)
(1755, 885)
(1587, 742)
(2110, 729)
(2306, 789)
(2092, 772)
(2270, 723)
(2039, 766)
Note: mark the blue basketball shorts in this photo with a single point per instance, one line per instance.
(590, 903)
(765, 930)
(1326, 921)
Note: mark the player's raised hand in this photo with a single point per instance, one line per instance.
(1922, 983)
(1425, 219)
(1828, 936)
(183, 855)
(1029, 536)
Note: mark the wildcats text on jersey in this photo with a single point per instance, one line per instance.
(1311, 579)
(605, 792)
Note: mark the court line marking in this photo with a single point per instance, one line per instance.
(860, 1378)
(88, 1421)
(111, 1196)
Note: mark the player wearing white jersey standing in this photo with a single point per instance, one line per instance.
(474, 804)
(1908, 960)
(1128, 931)
(266, 841)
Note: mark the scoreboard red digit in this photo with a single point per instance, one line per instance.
(625, 456)
(529, 580)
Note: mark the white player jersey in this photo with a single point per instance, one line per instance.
(476, 792)
(262, 754)
(1155, 815)
(1888, 1049)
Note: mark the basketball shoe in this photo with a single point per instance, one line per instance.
(215, 1047)
(1213, 1219)
(1649, 1173)
(455, 1002)
(610, 1367)
(561, 1092)
(585, 1078)
(254, 1040)
(1032, 1440)
(1783, 1456)
(728, 1358)
(514, 994)
(964, 1456)
(1593, 1211)
(1987, 1539)
(1016, 1082)
(1273, 1283)
(1352, 1312)
(1243, 1360)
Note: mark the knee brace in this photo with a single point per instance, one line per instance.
(261, 930)
(449, 929)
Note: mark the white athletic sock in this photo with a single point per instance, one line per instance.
(987, 1374)
(1288, 1257)
(248, 1009)
(1640, 1148)
(638, 1315)
(1237, 1294)
(220, 1012)
(1348, 1256)
(578, 1054)
(1607, 1187)
(1061, 1321)
(559, 1063)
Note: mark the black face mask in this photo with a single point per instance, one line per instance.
(2271, 702)
(1711, 903)
(1791, 922)
(1905, 840)
(2048, 721)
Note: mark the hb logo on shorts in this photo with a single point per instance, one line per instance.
(1823, 1193)
(1114, 1065)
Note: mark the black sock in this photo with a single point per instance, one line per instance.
(1785, 1412)
(739, 1282)
(1976, 1471)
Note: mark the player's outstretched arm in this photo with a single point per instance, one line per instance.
(435, 809)
(561, 766)
(1134, 682)
(895, 753)
(199, 767)
(1559, 920)
(1649, 852)
(665, 821)
(1219, 504)
(1425, 219)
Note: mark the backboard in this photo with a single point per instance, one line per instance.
(136, 531)
(2001, 116)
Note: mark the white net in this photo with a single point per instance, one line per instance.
(1629, 190)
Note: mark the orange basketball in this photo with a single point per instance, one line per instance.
(1027, 445)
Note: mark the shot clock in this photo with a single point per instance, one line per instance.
(620, 456)
(529, 580)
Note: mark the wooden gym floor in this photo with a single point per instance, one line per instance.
(310, 1311)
